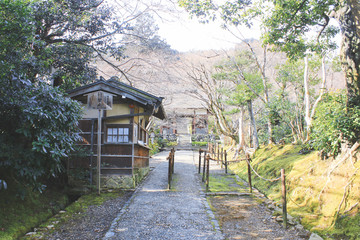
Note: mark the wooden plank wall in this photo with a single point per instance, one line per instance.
(116, 158)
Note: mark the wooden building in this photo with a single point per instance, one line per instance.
(124, 132)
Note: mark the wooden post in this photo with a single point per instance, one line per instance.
(283, 190)
(91, 151)
(169, 171)
(207, 172)
(222, 157)
(249, 172)
(99, 152)
(203, 176)
(213, 150)
(226, 163)
(199, 161)
(172, 160)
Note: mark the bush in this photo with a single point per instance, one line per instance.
(38, 128)
(333, 123)
(154, 147)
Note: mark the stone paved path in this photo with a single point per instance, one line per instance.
(156, 213)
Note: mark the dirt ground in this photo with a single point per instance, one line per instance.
(247, 217)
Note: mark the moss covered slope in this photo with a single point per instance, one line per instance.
(19, 216)
(324, 194)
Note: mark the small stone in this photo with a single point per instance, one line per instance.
(50, 227)
(30, 233)
(292, 222)
(314, 236)
(62, 211)
(299, 227)
(271, 206)
(40, 229)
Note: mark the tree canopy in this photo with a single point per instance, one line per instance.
(296, 26)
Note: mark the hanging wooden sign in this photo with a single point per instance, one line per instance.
(100, 100)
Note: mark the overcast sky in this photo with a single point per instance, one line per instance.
(185, 34)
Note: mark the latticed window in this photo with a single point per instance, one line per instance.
(118, 135)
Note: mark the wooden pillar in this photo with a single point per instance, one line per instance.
(99, 151)
(91, 152)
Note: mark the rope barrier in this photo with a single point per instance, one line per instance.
(256, 173)
(270, 180)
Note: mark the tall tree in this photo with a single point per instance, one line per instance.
(242, 71)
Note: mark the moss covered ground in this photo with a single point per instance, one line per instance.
(19, 216)
(20, 212)
(323, 194)
(225, 183)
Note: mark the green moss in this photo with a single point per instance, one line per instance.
(225, 183)
(19, 216)
(199, 144)
(347, 227)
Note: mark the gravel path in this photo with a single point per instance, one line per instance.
(153, 212)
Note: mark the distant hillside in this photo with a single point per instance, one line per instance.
(165, 73)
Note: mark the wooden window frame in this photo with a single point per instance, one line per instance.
(119, 126)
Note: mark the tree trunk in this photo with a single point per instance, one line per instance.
(349, 19)
(241, 129)
(307, 98)
(322, 89)
(254, 130)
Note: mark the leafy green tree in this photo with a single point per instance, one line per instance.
(38, 130)
(58, 40)
(334, 124)
(289, 99)
(247, 86)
